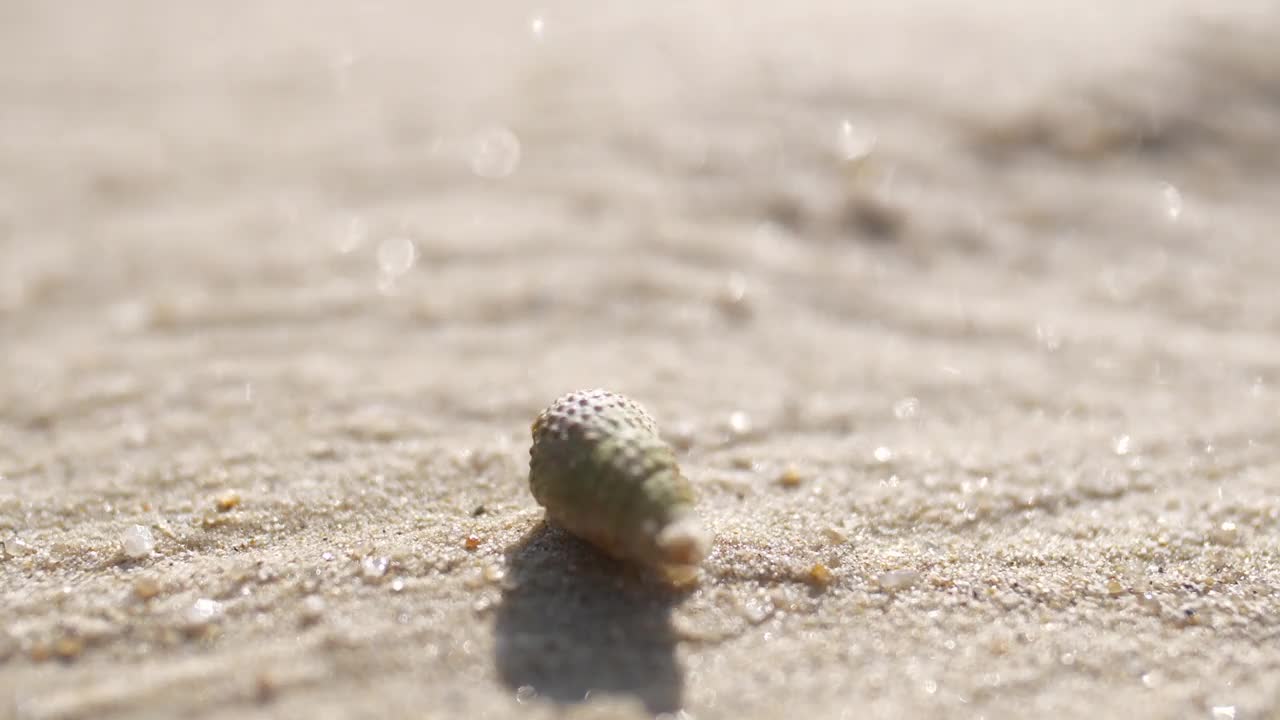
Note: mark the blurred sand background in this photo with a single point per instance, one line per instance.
(974, 305)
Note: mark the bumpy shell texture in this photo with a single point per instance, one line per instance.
(602, 472)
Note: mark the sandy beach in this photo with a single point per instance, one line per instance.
(961, 317)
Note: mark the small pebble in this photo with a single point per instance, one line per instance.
(40, 651)
(820, 575)
(313, 608)
(1228, 533)
(790, 478)
(493, 573)
(681, 435)
(1121, 444)
(835, 535)
(374, 567)
(1114, 587)
(472, 542)
(739, 423)
(17, 547)
(732, 298)
(265, 687)
(474, 579)
(202, 612)
(137, 541)
(895, 580)
(906, 408)
(757, 611)
(321, 450)
(228, 501)
(68, 648)
(145, 588)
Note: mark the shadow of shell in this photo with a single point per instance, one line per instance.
(574, 621)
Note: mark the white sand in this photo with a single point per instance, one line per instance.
(1020, 352)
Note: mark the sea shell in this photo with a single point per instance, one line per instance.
(602, 472)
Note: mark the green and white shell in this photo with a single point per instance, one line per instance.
(602, 472)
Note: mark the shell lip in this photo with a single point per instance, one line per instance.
(684, 542)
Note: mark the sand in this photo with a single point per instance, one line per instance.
(961, 316)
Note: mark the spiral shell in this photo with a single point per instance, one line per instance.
(602, 472)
